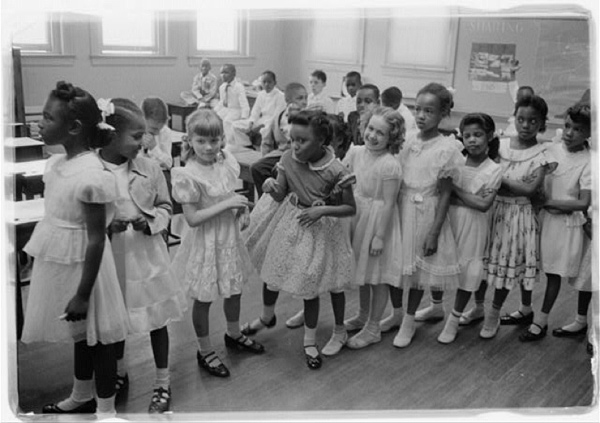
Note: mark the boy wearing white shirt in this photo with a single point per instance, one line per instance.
(268, 103)
(233, 104)
(392, 97)
(317, 99)
(347, 105)
(156, 142)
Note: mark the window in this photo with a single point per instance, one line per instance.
(38, 34)
(422, 47)
(130, 38)
(346, 27)
(218, 32)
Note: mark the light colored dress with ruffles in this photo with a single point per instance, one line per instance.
(212, 260)
(153, 296)
(562, 236)
(423, 164)
(305, 262)
(471, 227)
(371, 172)
(59, 244)
(513, 255)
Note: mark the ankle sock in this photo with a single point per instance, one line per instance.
(526, 310)
(579, 323)
(106, 405)
(163, 378)
(233, 329)
(310, 339)
(268, 313)
(82, 392)
(339, 329)
(204, 345)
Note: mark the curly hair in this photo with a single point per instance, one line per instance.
(340, 139)
(486, 123)
(317, 121)
(80, 105)
(125, 110)
(396, 125)
(442, 93)
(581, 113)
(538, 104)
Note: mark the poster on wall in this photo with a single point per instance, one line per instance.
(492, 67)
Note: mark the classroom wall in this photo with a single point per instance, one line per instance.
(265, 48)
(554, 55)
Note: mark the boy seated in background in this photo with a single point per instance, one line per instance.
(317, 99)
(392, 97)
(156, 142)
(204, 87)
(347, 104)
(367, 98)
(269, 102)
(233, 104)
(277, 140)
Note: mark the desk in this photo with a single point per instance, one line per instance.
(25, 178)
(179, 109)
(246, 158)
(22, 216)
(23, 149)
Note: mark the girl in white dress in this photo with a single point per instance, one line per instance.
(212, 260)
(376, 236)
(474, 188)
(153, 297)
(568, 192)
(513, 254)
(429, 257)
(73, 271)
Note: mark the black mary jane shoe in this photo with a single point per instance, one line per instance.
(121, 387)
(244, 343)
(528, 336)
(247, 330)
(204, 362)
(313, 363)
(88, 407)
(562, 333)
(590, 348)
(522, 319)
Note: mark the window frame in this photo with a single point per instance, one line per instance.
(444, 72)
(239, 56)
(132, 55)
(57, 52)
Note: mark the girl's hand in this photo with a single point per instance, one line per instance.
(376, 246)
(148, 141)
(431, 244)
(244, 219)
(76, 309)
(309, 216)
(236, 202)
(139, 224)
(118, 225)
(270, 185)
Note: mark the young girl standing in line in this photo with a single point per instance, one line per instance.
(152, 296)
(212, 260)
(73, 271)
(568, 192)
(376, 235)
(428, 248)
(513, 252)
(474, 189)
(304, 248)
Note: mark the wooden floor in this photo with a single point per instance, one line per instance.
(470, 374)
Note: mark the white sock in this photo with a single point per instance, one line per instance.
(233, 329)
(106, 406)
(204, 345)
(525, 309)
(268, 313)
(579, 323)
(163, 378)
(83, 391)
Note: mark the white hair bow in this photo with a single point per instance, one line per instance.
(107, 108)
